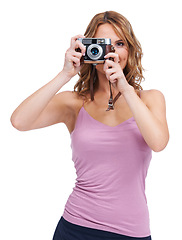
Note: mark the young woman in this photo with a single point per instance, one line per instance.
(111, 149)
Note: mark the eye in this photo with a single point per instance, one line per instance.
(120, 44)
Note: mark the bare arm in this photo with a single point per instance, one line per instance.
(149, 114)
(41, 108)
(45, 107)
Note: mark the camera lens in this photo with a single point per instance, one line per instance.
(94, 51)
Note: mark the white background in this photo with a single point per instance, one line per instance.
(36, 171)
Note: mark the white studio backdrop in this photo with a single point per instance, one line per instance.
(36, 170)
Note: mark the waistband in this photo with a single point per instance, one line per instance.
(97, 232)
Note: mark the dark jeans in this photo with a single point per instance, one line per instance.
(69, 231)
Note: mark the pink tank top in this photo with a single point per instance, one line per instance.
(111, 166)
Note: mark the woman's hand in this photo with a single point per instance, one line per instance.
(114, 72)
(72, 57)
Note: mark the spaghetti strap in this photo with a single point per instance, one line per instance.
(140, 94)
(83, 102)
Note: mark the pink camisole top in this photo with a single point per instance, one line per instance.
(111, 165)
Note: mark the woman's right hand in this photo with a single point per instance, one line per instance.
(72, 57)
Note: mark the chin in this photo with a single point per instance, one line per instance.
(100, 67)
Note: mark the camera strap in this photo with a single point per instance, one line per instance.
(110, 103)
(92, 81)
(111, 100)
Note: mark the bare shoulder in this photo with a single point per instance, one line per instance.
(69, 99)
(155, 101)
(152, 97)
(70, 104)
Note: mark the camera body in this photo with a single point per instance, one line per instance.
(96, 49)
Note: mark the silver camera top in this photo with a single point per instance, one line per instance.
(89, 41)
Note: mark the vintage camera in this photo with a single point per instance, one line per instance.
(96, 49)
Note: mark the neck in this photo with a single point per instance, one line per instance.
(103, 85)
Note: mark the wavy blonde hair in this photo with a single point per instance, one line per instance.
(133, 70)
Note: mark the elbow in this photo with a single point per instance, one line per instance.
(159, 148)
(160, 145)
(17, 123)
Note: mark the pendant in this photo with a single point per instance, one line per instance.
(110, 105)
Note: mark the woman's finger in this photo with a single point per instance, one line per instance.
(109, 72)
(108, 64)
(114, 77)
(73, 39)
(79, 45)
(75, 61)
(77, 54)
(76, 44)
(114, 56)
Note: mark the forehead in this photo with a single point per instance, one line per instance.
(106, 31)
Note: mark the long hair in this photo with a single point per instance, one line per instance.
(133, 70)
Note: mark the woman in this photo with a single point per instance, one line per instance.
(111, 149)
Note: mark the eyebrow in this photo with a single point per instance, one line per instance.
(120, 40)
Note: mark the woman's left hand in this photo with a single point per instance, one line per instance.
(114, 72)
